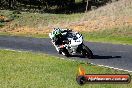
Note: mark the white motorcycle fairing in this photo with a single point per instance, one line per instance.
(72, 45)
(74, 38)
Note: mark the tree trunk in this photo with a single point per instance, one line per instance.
(87, 6)
(10, 2)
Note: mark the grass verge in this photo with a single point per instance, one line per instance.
(121, 35)
(39, 25)
(37, 70)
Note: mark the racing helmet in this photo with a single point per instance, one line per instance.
(57, 31)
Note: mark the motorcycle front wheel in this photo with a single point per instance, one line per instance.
(65, 52)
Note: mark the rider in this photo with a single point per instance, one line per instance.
(58, 36)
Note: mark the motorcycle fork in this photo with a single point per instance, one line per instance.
(79, 48)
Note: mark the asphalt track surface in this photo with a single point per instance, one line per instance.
(118, 56)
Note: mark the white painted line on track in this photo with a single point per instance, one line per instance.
(14, 50)
(112, 67)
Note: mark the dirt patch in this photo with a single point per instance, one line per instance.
(27, 30)
(114, 15)
(102, 23)
(87, 26)
(4, 19)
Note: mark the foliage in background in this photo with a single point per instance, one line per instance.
(5, 18)
(50, 6)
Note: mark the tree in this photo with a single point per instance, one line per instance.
(10, 4)
(87, 6)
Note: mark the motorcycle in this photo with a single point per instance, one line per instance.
(73, 45)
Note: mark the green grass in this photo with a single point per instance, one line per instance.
(25, 35)
(37, 70)
(116, 36)
(1, 24)
(38, 20)
(121, 35)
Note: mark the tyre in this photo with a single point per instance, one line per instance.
(86, 52)
(65, 52)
